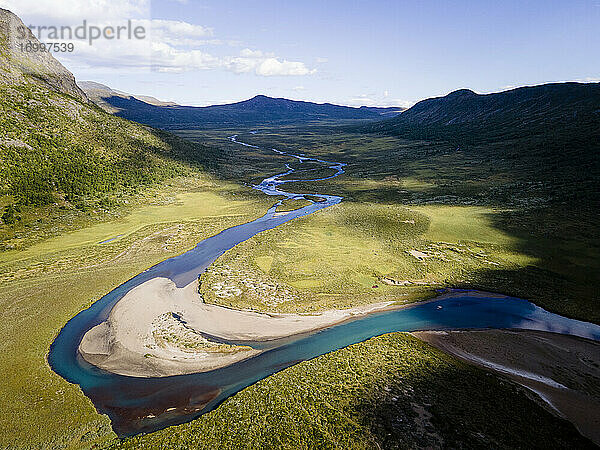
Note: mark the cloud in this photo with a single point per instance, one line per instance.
(272, 66)
(169, 46)
(321, 60)
(247, 53)
(403, 103)
(178, 28)
(367, 100)
(266, 64)
(68, 12)
(164, 57)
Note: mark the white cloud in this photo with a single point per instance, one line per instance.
(242, 65)
(298, 88)
(321, 60)
(403, 103)
(178, 28)
(169, 45)
(164, 57)
(247, 53)
(366, 100)
(68, 12)
(265, 64)
(272, 66)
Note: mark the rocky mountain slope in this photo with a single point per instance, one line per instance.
(59, 150)
(39, 67)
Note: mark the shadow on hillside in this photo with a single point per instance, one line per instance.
(566, 276)
(451, 405)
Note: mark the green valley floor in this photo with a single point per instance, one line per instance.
(389, 240)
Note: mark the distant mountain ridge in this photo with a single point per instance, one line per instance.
(548, 133)
(96, 92)
(259, 110)
(533, 109)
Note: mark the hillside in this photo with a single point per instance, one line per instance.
(259, 110)
(39, 67)
(465, 115)
(547, 135)
(97, 92)
(59, 150)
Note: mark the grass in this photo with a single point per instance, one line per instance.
(44, 286)
(538, 221)
(356, 253)
(291, 204)
(184, 200)
(169, 331)
(477, 226)
(392, 391)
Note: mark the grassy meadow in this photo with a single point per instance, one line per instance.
(392, 391)
(42, 287)
(356, 253)
(487, 215)
(414, 219)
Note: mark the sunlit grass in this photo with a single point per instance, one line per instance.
(44, 286)
(392, 391)
(357, 253)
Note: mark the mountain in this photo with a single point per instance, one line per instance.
(464, 115)
(259, 110)
(58, 150)
(97, 92)
(40, 67)
(542, 139)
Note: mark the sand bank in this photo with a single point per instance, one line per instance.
(158, 330)
(562, 370)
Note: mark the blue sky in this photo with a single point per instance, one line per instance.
(347, 52)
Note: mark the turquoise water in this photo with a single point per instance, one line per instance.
(137, 405)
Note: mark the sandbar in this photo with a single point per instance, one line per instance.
(158, 329)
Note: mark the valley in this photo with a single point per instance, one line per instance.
(275, 273)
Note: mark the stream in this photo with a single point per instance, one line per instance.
(137, 405)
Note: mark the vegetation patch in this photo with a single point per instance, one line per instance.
(170, 332)
(356, 253)
(292, 204)
(392, 391)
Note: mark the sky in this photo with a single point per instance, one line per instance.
(350, 52)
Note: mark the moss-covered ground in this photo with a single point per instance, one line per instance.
(392, 391)
(42, 287)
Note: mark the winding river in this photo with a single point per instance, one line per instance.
(137, 405)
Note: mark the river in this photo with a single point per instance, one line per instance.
(137, 405)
